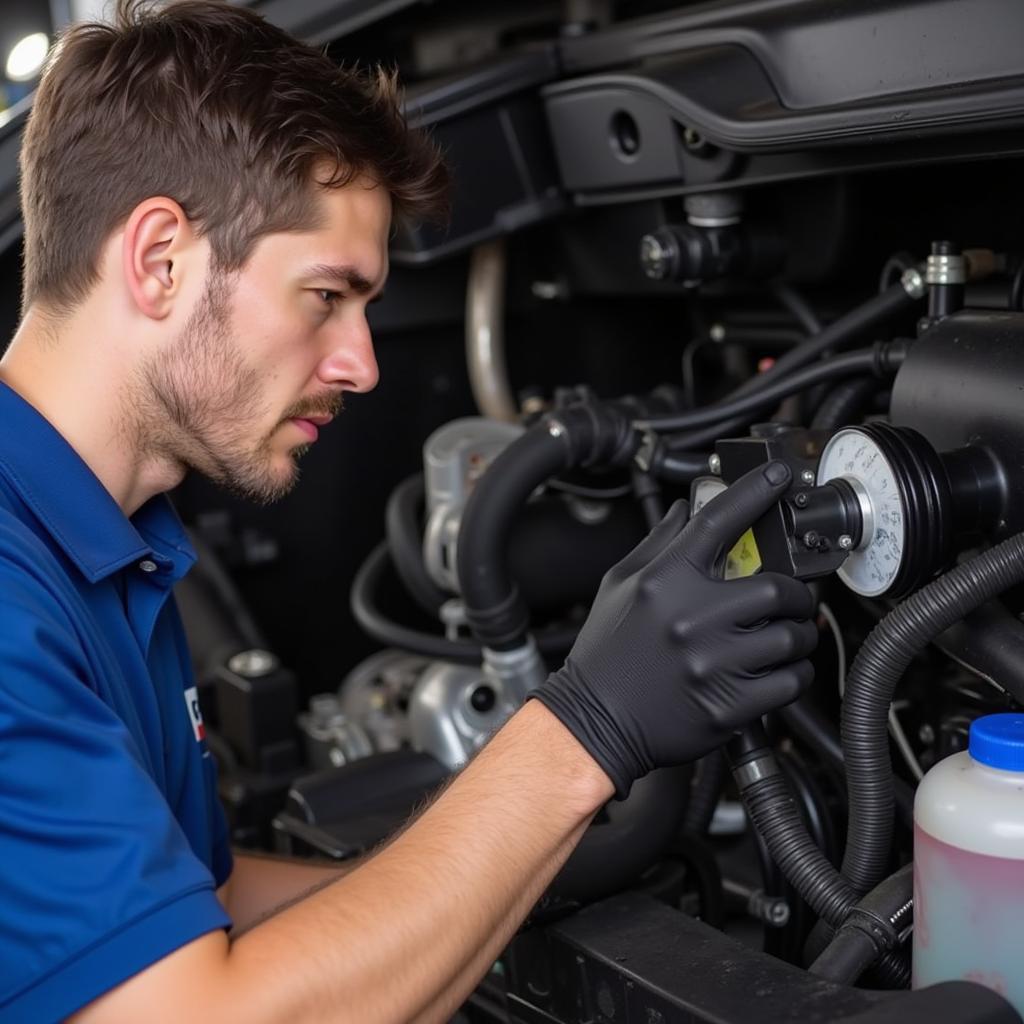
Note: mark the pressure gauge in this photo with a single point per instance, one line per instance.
(857, 458)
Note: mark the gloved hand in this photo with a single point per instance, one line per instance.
(672, 658)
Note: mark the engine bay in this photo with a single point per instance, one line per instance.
(685, 240)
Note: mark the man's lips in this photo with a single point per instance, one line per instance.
(309, 424)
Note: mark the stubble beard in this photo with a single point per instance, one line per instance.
(198, 403)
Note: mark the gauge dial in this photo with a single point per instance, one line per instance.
(856, 458)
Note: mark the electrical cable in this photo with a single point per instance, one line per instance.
(833, 624)
(878, 359)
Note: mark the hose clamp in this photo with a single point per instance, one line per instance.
(763, 767)
(946, 268)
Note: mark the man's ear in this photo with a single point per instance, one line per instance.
(156, 235)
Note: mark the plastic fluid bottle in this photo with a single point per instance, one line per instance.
(969, 863)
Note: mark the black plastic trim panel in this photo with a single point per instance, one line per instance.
(632, 960)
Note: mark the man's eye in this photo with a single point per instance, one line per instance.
(329, 297)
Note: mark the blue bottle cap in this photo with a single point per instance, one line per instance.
(998, 741)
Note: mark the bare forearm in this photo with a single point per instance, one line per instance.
(443, 1007)
(262, 885)
(440, 902)
(442, 899)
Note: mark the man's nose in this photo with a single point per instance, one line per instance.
(352, 362)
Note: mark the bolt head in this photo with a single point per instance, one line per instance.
(656, 257)
(715, 464)
(845, 541)
(253, 663)
(800, 500)
(807, 476)
(811, 539)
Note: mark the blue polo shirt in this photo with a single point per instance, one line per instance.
(112, 840)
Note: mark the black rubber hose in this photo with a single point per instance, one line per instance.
(691, 439)
(505, 486)
(711, 772)
(773, 812)
(648, 493)
(679, 467)
(844, 403)
(871, 683)
(838, 335)
(881, 359)
(392, 634)
(810, 725)
(582, 435)
(405, 541)
(871, 930)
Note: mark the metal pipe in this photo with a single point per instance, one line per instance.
(485, 333)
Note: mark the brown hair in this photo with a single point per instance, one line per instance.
(210, 105)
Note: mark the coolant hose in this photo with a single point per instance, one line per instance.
(705, 793)
(871, 683)
(774, 814)
(811, 726)
(843, 403)
(586, 434)
(872, 928)
(405, 540)
(362, 601)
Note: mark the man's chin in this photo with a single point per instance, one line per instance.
(264, 487)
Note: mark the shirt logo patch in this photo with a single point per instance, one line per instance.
(194, 714)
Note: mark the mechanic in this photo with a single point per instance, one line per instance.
(207, 205)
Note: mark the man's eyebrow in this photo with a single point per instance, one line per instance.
(342, 275)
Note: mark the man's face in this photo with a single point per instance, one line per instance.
(264, 358)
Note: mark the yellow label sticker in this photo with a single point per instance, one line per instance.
(744, 559)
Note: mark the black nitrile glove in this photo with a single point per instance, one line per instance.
(672, 658)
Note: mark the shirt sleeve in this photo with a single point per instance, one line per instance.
(98, 879)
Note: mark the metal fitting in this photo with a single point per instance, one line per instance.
(252, 664)
(644, 457)
(945, 268)
(658, 255)
(753, 771)
(845, 541)
(713, 209)
(770, 910)
(515, 672)
(807, 477)
(556, 429)
(715, 463)
(801, 499)
(913, 283)
(811, 538)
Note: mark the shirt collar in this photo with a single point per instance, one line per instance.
(77, 510)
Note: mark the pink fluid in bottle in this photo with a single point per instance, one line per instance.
(969, 863)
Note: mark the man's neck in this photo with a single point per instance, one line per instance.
(74, 375)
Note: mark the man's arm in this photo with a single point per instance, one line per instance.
(410, 930)
(671, 660)
(263, 884)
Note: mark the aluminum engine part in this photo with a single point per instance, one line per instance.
(515, 673)
(453, 711)
(332, 738)
(454, 456)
